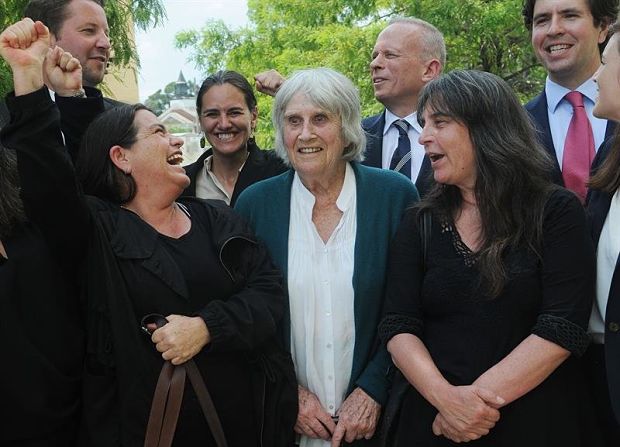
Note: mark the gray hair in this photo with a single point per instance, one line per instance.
(330, 91)
(432, 44)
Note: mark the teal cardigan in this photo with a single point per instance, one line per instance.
(382, 197)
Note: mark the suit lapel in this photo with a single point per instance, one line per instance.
(538, 111)
(374, 139)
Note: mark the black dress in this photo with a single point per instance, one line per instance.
(467, 333)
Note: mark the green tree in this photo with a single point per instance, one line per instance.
(291, 34)
(121, 16)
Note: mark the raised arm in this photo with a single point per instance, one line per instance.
(48, 186)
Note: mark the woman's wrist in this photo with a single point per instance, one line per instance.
(440, 394)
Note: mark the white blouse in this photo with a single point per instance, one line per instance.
(606, 257)
(321, 297)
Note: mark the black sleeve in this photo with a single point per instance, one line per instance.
(76, 114)
(568, 274)
(402, 311)
(49, 189)
(251, 316)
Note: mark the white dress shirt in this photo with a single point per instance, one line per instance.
(320, 286)
(390, 142)
(560, 113)
(606, 258)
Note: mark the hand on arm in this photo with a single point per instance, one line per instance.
(63, 73)
(269, 82)
(312, 420)
(23, 46)
(181, 338)
(467, 412)
(357, 418)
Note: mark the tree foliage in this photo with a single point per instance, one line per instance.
(291, 34)
(122, 15)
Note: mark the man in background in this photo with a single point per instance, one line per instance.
(408, 54)
(567, 38)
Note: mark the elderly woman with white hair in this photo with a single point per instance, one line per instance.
(328, 223)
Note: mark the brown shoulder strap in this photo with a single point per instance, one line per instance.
(206, 403)
(167, 405)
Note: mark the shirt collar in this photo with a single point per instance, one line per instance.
(412, 119)
(208, 163)
(555, 92)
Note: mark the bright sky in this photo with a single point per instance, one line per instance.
(160, 60)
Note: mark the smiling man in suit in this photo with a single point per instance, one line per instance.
(567, 38)
(408, 54)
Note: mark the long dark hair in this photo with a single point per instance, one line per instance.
(607, 177)
(98, 175)
(11, 206)
(512, 170)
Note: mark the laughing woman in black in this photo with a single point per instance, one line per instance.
(146, 252)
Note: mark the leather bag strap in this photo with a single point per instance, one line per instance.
(168, 396)
(206, 403)
(166, 392)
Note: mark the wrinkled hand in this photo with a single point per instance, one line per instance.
(312, 420)
(62, 72)
(269, 82)
(357, 418)
(181, 338)
(468, 413)
(24, 44)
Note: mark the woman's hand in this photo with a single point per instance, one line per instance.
(466, 413)
(357, 418)
(62, 72)
(23, 46)
(181, 338)
(312, 420)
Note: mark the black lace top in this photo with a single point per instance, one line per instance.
(466, 331)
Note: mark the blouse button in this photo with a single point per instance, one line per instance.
(614, 327)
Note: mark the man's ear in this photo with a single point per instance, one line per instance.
(118, 155)
(433, 70)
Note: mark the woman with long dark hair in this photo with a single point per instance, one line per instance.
(487, 305)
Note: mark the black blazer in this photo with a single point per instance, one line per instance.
(598, 208)
(537, 109)
(260, 165)
(373, 126)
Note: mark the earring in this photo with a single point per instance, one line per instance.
(203, 142)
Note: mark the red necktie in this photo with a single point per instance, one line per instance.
(578, 148)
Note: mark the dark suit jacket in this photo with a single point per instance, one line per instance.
(537, 109)
(598, 206)
(373, 126)
(259, 166)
